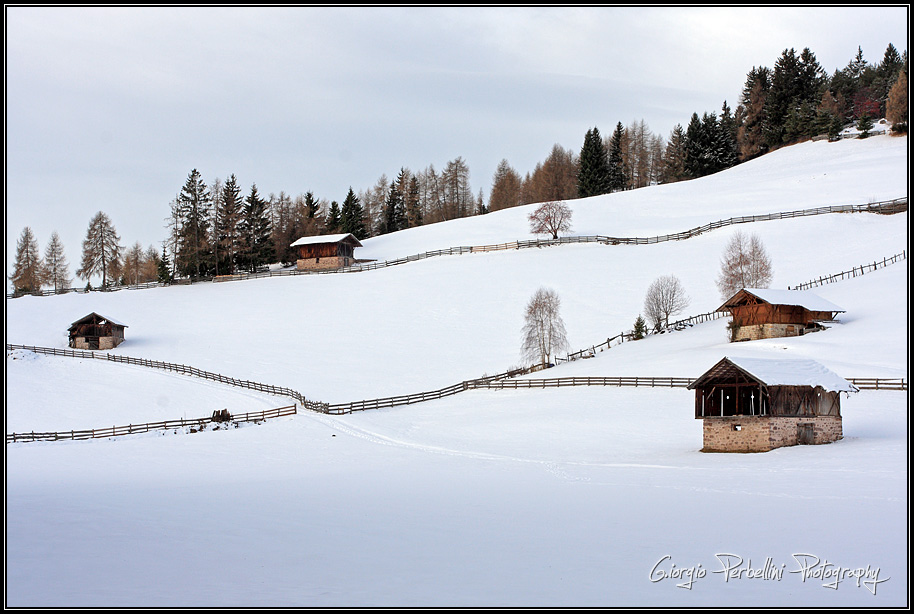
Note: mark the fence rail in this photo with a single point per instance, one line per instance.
(181, 369)
(884, 207)
(132, 429)
(854, 272)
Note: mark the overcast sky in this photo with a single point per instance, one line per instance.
(108, 109)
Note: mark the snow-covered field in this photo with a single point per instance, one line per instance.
(571, 497)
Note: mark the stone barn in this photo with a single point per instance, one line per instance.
(95, 332)
(756, 405)
(764, 314)
(326, 252)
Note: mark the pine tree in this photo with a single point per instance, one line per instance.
(56, 268)
(194, 252)
(101, 251)
(28, 270)
(618, 174)
(593, 173)
(255, 230)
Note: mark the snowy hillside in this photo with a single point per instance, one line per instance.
(489, 498)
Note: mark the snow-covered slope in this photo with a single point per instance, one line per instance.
(492, 497)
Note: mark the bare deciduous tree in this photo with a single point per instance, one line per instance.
(550, 218)
(745, 264)
(665, 297)
(544, 331)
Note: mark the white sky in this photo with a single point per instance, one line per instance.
(110, 108)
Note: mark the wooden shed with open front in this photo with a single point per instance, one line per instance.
(756, 405)
(96, 332)
(762, 313)
(326, 251)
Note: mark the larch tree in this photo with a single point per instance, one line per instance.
(506, 187)
(28, 270)
(56, 267)
(101, 251)
(544, 333)
(896, 107)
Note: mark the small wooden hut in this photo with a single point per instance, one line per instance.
(764, 313)
(756, 405)
(326, 251)
(96, 332)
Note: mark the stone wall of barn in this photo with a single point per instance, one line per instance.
(753, 332)
(764, 433)
(104, 343)
(323, 264)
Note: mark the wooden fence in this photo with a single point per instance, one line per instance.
(181, 369)
(863, 383)
(854, 272)
(132, 429)
(884, 207)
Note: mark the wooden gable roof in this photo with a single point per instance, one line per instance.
(95, 318)
(773, 372)
(794, 298)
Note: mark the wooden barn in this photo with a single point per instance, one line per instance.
(756, 405)
(764, 314)
(326, 251)
(95, 332)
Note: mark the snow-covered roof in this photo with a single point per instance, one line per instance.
(328, 239)
(788, 372)
(799, 298)
(100, 317)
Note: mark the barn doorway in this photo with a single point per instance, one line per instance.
(806, 434)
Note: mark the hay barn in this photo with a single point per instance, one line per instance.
(326, 252)
(756, 405)
(765, 314)
(96, 332)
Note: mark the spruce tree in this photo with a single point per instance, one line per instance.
(618, 174)
(352, 217)
(594, 172)
(640, 330)
(334, 221)
(255, 228)
(163, 272)
(228, 227)
(194, 204)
